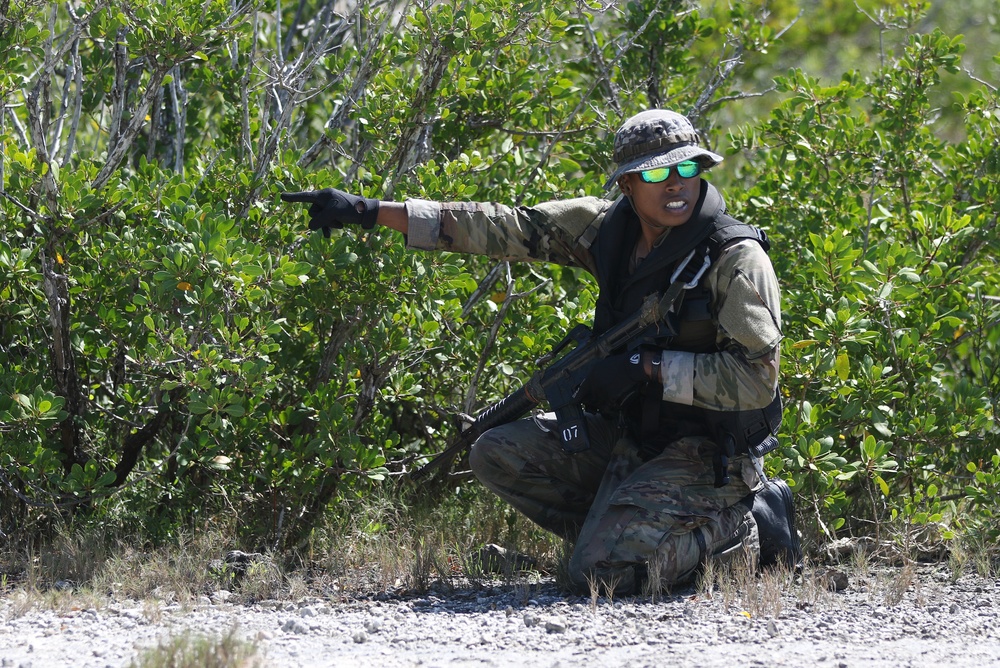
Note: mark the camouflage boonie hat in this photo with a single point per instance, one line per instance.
(656, 138)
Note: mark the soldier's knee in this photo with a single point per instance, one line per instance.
(486, 453)
(479, 458)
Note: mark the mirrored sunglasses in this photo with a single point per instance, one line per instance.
(686, 169)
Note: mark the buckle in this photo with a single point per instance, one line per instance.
(682, 266)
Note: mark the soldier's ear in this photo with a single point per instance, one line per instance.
(625, 184)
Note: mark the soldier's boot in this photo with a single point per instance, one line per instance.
(774, 512)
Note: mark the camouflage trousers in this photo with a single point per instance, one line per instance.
(632, 521)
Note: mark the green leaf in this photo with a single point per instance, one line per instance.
(882, 485)
(108, 478)
(235, 410)
(843, 366)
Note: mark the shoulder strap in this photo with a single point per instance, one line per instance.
(728, 230)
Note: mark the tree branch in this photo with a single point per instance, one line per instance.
(134, 443)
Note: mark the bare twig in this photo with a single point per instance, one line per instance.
(484, 287)
(77, 66)
(286, 85)
(972, 76)
(179, 101)
(707, 100)
(604, 74)
(34, 215)
(511, 297)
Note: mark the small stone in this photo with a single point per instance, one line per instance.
(294, 626)
(373, 625)
(555, 626)
(831, 579)
(509, 611)
(360, 637)
(530, 620)
(772, 628)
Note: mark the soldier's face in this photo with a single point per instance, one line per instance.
(668, 203)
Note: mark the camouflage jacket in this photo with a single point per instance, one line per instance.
(741, 373)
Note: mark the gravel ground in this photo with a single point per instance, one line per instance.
(882, 618)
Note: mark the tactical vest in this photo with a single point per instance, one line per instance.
(709, 231)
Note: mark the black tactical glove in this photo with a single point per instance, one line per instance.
(331, 208)
(612, 380)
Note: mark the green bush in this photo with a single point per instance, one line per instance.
(888, 232)
(174, 344)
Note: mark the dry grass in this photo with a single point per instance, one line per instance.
(199, 651)
(379, 545)
(385, 548)
(743, 587)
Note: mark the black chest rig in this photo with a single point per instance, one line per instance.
(697, 243)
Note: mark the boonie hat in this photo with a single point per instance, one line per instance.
(656, 138)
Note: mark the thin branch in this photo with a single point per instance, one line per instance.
(511, 297)
(134, 444)
(34, 215)
(484, 287)
(972, 76)
(286, 85)
(122, 145)
(57, 127)
(246, 145)
(872, 200)
(727, 66)
(22, 134)
(118, 91)
(77, 103)
(179, 102)
(605, 73)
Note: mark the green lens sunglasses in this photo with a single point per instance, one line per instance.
(686, 169)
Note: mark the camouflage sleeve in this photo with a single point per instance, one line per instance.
(558, 231)
(746, 307)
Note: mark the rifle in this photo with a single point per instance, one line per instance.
(557, 383)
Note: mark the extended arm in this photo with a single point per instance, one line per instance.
(552, 232)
